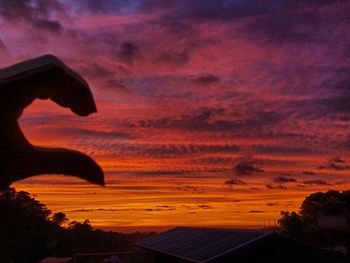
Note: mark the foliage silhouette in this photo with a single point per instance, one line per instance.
(304, 225)
(29, 231)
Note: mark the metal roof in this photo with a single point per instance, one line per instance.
(199, 244)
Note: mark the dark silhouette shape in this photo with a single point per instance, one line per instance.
(29, 232)
(323, 220)
(44, 77)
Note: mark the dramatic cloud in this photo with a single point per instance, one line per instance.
(271, 204)
(206, 80)
(256, 211)
(234, 181)
(335, 163)
(192, 189)
(316, 182)
(128, 53)
(36, 12)
(246, 167)
(309, 173)
(287, 27)
(205, 207)
(282, 179)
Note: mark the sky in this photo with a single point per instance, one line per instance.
(210, 113)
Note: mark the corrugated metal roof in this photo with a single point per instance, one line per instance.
(198, 244)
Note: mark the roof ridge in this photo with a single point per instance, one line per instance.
(222, 229)
(239, 246)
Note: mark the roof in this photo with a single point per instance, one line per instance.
(199, 244)
(56, 260)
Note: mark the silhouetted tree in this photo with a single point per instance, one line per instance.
(29, 232)
(291, 222)
(24, 224)
(59, 218)
(329, 203)
(304, 225)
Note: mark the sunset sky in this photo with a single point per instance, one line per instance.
(210, 113)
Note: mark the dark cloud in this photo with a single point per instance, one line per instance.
(285, 150)
(256, 211)
(232, 10)
(192, 189)
(286, 27)
(105, 6)
(336, 164)
(282, 179)
(234, 181)
(316, 182)
(208, 119)
(119, 6)
(336, 98)
(213, 160)
(162, 208)
(206, 80)
(98, 134)
(224, 9)
(36, 12)
(205, 120)
(337, 159)
(278, 186)
(333, 105)
(271, 204)
(165, 206)
(208, 10)
(195, 9)
(308, 173)
(317, 2)
(200, 9)
(246, 167)
(128, 53)
(187, 207)
(205, 207)
(49, 25)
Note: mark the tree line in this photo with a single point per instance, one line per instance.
(29, 231)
